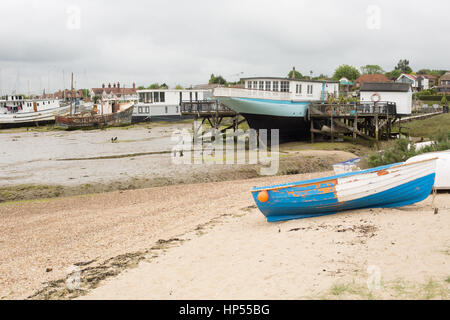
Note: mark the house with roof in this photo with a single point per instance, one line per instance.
(115, 92)
(444, 83)
(345, 86)
(398, 92)
(412, 80)
(371, 78)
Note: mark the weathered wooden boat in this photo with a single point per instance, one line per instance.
(388, 186)
(121, 115)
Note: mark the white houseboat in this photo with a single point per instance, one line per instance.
(15, 110)
(164, 104)
(277, 103)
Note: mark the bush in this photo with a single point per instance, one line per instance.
(404, 149)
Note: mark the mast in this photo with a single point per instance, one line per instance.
(71, 98)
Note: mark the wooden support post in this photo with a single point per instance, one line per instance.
(355, 127)
(312, 132)
(332, 124)
(376, 128)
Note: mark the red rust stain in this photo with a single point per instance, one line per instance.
(320, 190)
(382, 172)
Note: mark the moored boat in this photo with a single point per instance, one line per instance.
(120, 114)
(388, 186)
(16, 110)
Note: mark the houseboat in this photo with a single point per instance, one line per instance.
(164, 104)
(16, 110)
(277, 103)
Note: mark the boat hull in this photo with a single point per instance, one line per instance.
(31, 118)
(389, 186)
(93, 121)
(286, 116)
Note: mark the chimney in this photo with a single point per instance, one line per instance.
(109, 85)
(118, 85)
(134, 85)
(293, 73)
(103, 86)
(114, 85)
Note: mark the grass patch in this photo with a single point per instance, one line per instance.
(405, 149)
(397, 289)
(429, 127)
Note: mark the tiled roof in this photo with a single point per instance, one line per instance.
(372, 78)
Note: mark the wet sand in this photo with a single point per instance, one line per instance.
(208, 241)
(48, 164)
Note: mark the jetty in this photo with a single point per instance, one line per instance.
(370, 121)
(214, 113)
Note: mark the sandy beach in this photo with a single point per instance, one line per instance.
(208, 241)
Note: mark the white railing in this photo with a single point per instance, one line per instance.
(249, 93)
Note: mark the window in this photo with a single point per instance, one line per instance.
(249, 84)
(147, 109)
(255, 84)
(162, 96)
(166, 109)
(275, 86)
(177, 110)
(284, 86)
(140, 110)
(310, 89)
(298, 89)
(156, 96)
(261, 85)
(268, 86)
(196, 96)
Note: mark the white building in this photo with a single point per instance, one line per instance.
(417, 83)
(301, 90)
(164, 104)
(400, 93)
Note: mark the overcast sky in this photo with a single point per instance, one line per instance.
(183, 42)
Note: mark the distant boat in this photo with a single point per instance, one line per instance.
(388, 186)
(15, 110)
(120, 114)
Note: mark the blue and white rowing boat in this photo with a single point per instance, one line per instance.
(394, 185)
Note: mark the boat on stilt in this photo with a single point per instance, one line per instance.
(394, 185)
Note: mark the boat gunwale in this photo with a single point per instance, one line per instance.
(344, 175)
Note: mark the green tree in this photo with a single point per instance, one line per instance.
(372, 69)
(163, 86)
(349, 72)
(217, 80)
(394, 74)
(179, 87)
(444, 101)
(153, 86)
(403, 66)
(298, 75)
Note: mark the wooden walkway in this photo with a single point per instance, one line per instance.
(213, 112)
